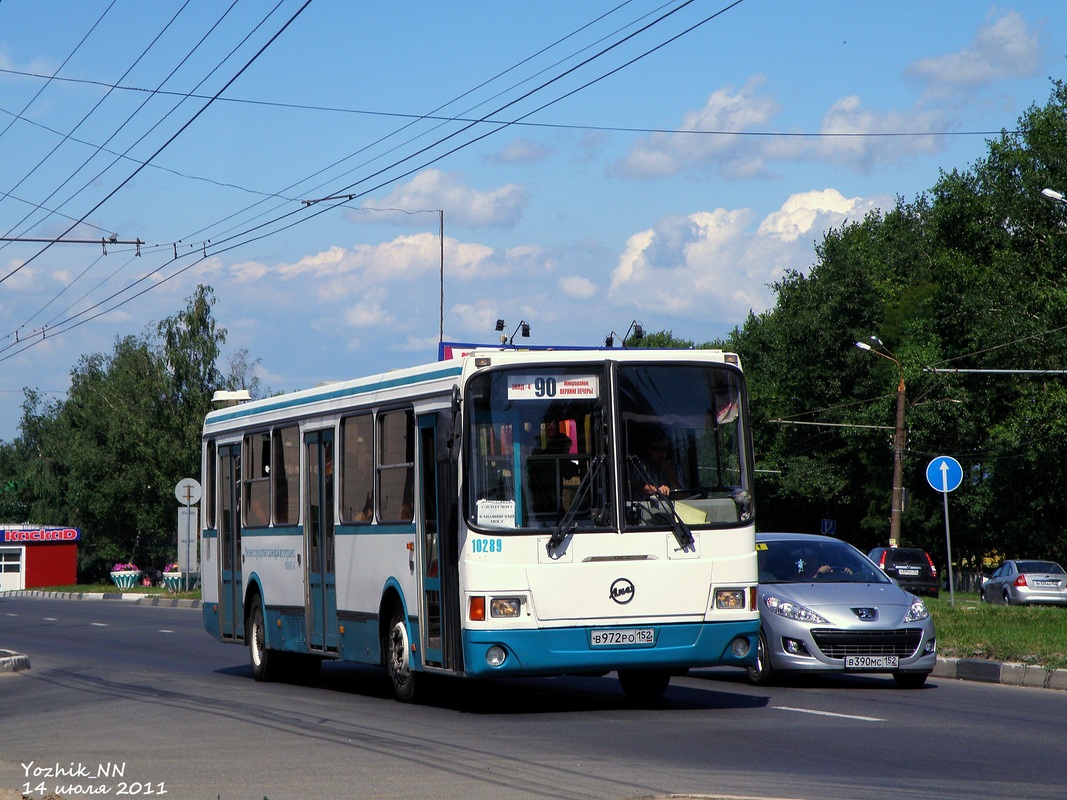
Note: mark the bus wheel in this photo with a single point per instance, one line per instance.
(644, 685)
(397, 651)
(266, 664)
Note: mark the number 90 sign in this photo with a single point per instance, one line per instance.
(550, 387)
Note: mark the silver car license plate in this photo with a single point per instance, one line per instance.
(622, 637)
(871, 662)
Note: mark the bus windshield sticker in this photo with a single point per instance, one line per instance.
(496, 513)
(549, 387)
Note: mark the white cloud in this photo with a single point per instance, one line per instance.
(661, 154)
(1004, 48)
(22, 280)
(875, 137)
(578, 287)
(814, 210)
(367, 313)
(710, 266)
(521, 151)
(409, 203)
(852, 135)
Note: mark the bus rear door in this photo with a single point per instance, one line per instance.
(319, 542)
(231, 603)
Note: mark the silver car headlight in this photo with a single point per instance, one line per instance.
(917, 612)
(791, 610)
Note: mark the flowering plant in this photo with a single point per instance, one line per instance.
(131, 567)
(171, 567)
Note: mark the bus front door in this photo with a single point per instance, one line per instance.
(231, 602)
(438, 558)
(319, 542)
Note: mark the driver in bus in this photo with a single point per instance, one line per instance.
(659, 474)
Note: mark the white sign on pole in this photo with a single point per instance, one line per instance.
(188, 491)
(187, 539)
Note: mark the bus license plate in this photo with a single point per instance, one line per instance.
(622, 637)
(871, 662)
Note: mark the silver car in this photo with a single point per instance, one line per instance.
(1024, 581)
(824, 606)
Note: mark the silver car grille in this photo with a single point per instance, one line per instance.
(834, 643)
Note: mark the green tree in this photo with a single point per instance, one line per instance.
(107, 458)
(971, 274)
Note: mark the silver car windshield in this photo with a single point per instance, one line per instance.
(811, 561)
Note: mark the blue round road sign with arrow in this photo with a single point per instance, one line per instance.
(944, 474)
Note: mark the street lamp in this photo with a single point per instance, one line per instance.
(1053, 195)
(523, 327)
(898, 444)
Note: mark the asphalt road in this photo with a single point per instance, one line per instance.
(115, 687)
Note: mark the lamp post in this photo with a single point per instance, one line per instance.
(898, 445)
(1053, 196)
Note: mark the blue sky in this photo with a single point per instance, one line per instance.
(596, 163)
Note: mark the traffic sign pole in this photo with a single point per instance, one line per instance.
(944, 474)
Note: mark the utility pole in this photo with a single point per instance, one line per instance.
(899, 436)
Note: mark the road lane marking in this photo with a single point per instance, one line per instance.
(829, 714)
(98, 624)
(165, 630)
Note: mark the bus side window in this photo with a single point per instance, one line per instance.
(396, 465)
(286, 475)
(256, 479)
(357, 468)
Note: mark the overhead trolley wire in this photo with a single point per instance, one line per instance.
(174, 136)
(257, 232)
(99, 103)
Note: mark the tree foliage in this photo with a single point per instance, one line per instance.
(107, 457)
(970, 275)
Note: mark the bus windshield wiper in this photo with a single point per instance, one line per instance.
(681, 531)
(567, 524)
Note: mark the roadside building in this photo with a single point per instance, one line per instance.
(32, 556)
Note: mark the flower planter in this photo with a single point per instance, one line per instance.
(126, 579)
(175, 583)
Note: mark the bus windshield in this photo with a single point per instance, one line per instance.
(535, 434)
(683, 445)
(662, 445)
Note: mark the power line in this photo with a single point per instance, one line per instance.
(257, 232)
(550, 125)
(175, 135)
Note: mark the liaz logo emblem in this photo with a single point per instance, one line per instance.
(622, 591)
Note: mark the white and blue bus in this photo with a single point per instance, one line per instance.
(501, 512)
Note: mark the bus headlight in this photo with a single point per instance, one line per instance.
(495, 656)
(732, 599)
(505, 606)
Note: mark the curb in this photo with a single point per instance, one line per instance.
(1005, 673)
(13, 662)
(137, 598)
